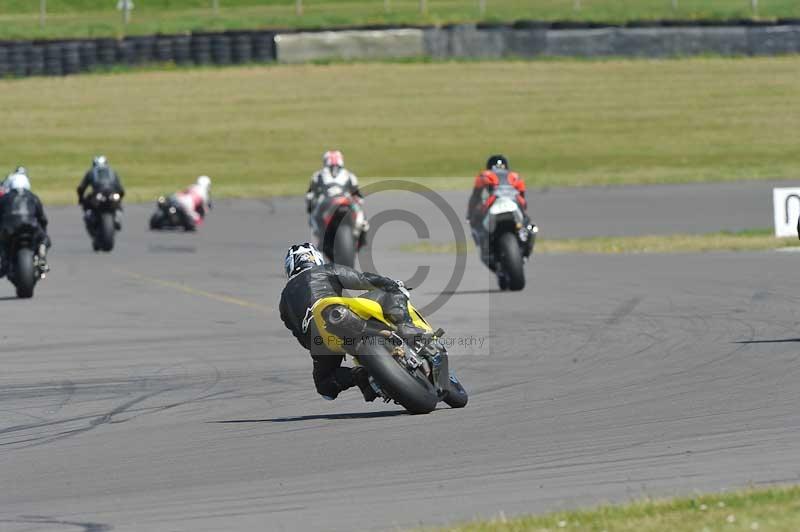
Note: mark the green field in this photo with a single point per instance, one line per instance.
(261, 130)
(750, 240)
(767, 510)
(81, 18)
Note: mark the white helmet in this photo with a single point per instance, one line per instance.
(100, 161)
(301, 257)
(204, 181)
(18, 182)
(333, 158)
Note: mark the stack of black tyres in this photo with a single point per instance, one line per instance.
(263, 47)
(52, 60)
(182, 49)
(242, 48)
(221, 50)
(107, 52)
(71, 57)
(126, 52)
(88, 51)
(144, 49)
(36, 61)
(201, 49)
(5, 68)
(164, 51)
(18, 59)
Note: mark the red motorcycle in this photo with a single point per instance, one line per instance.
(340, 226)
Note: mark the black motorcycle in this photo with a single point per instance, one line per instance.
(169, 215)
(101, 212)
(24, 268)
(507, 239)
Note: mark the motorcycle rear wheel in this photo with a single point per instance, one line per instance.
(511, 261)
(413, 391)
(106, 231)
(24, 276)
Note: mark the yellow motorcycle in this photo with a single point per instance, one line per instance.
(411, 371)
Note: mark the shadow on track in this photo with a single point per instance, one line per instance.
(353, 415)
(9, 298)
(779, 341)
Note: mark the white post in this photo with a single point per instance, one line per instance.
(215, 7)
(423, 6)
(126, 12)
(482, 7)
(42, 13)
(577, 5)
(298, 8)
(754, 7)
(674, 5)
(387, 6)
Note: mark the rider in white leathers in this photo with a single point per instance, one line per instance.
(333, 179)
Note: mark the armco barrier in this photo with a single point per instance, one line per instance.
(520, 39)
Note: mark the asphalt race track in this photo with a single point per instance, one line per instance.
(156, 389)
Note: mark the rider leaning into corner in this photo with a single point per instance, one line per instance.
(195, 201)
(19, 206)
(497, 173)
(100, 178)
(333, 177)
(310, 280)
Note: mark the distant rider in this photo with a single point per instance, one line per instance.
(310, 280)
(195, 201)
(99, 178)
(497, 173)
(19, 206)
(333, 179)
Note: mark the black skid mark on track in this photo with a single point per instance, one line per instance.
(776, 341)
(41, 520)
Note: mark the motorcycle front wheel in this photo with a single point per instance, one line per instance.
(24, 276)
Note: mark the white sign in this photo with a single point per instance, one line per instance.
(125, 5)
(786, 205)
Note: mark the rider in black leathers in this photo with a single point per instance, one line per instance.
(311, 280)
(21, 207)
(100, 178)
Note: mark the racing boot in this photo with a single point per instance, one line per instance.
(3, 265)
(117, 220)
(43, 266)
(361, 378)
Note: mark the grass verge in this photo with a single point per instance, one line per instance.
(261, 130)
(750, 240)
(91, 18)
(772, 509)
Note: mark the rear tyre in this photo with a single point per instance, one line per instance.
(413, 391)
(456, 396)
(24, 278)
(105, 233)
(344, 246)
(156, 221)
(511, 261)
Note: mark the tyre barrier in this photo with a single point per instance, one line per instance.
(4, 68)
(88, 54)
(106, 51)
(164, 51)
(126, 52)
(263, 47)
(53, 65)
(144, 48)
(36, 61)
(242, 48)
(71, 57)
(221, 50)
(201, 49)
(182, 49)
(18, 60)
